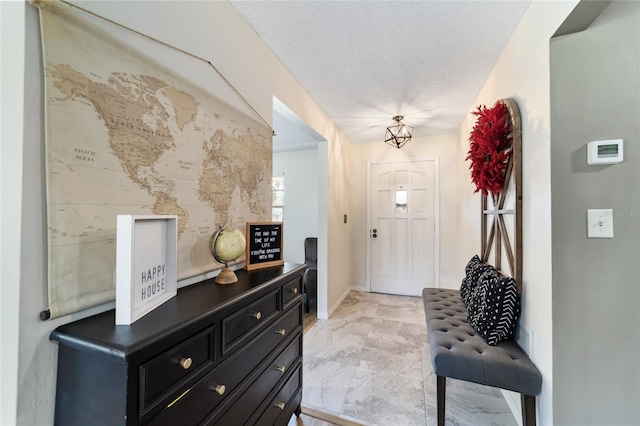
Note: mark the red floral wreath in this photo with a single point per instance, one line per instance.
(489, 149)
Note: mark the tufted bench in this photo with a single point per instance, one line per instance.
(458, 352)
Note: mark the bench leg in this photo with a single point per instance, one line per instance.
(528, 410)
(441, 390)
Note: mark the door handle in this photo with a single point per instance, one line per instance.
(374, 233)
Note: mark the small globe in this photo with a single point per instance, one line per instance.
(228, 244)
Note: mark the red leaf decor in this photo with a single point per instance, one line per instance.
(489, 149)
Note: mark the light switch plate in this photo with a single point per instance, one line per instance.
(600, 223)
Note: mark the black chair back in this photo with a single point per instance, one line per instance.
(311, 252)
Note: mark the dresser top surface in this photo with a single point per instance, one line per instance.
(192, 304)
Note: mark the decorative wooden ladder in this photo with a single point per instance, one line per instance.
(493, 207)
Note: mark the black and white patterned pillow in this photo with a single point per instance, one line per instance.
(465, 291)
(494, 307)
(476, 306)
(474, 269)
(473, 262)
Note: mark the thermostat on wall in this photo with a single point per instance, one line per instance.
(605, 152)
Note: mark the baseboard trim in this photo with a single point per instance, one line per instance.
(335, 305)
(514, 404)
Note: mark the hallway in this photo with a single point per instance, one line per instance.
(369, 363)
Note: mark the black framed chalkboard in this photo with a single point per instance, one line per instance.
(264, 245)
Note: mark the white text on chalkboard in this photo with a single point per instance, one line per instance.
(266, 253)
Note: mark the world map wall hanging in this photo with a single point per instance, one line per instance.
(126, 135)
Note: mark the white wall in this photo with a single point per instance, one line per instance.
(11, 110)
(339, 250)
(445, 148)
(323, 230)
(210, 29)
(300, 170)
(522, 73)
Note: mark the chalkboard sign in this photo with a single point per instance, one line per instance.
(264, 245)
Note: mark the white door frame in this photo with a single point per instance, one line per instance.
(436, 207)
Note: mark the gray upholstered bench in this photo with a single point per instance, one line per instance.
(458, 352)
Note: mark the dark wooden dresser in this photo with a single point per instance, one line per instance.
(223, 355)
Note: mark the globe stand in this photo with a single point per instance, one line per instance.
(226, 276)
(225, 250)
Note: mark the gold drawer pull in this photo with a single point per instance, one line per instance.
(280, 405)
(281, 331)
(185, 363)
(256, 315)
(280, 368)
(294, 290)
(220, 389)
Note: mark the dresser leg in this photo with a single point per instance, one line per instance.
(298, 410)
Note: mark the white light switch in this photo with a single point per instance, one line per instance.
(600, 223)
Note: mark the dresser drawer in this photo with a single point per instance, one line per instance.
(291, 290)
(194, 404)
(180, 363)
(248, 319)
(208, 393)
(283, 402)
(246, 359)
(253, 397)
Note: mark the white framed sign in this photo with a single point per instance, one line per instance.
(146, 264)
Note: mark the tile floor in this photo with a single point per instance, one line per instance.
(369, 363)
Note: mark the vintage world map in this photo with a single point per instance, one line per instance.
(124, 135)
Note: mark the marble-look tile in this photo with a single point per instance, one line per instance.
(355, 306)
(358, 325)
(390, 359)
(335, 345)
(397, 332)
(402, 314)
(399, 301)
(477, 408)
(364, 297)
(313, 330)
(402, 308)
(393, 347)
(385, 399)
(370, 363)
(325, 384)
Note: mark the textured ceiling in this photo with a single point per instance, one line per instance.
(366, 61)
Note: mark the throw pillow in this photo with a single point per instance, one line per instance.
(465, 291)
(477, 305)
(473, 262)
(494, 307)
(474, 269)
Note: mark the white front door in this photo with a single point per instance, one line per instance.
(402, 235)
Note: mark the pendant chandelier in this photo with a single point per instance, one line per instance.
(399, 133)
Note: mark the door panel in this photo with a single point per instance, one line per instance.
(402, 237)
(402, 234)
(418, 252)
(384, 234)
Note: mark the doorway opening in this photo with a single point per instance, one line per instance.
(300, 155)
